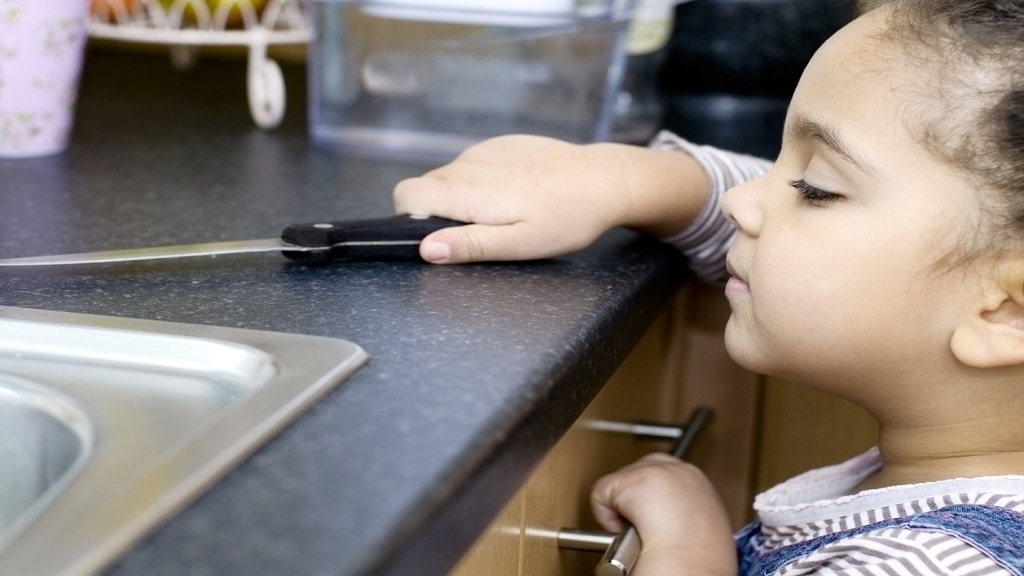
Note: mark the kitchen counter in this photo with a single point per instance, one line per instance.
(475, 370)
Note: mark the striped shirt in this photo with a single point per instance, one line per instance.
(707, 239)
(816, 504)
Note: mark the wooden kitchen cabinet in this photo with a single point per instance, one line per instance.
(679, 364)
(764, 430)
(803, 429)
(521, 540)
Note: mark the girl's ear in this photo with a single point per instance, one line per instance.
(993, 335)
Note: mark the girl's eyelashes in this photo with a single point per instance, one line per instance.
(811, 195)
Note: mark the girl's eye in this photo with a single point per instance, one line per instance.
(813, 196)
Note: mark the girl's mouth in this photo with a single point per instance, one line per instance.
(736, 286)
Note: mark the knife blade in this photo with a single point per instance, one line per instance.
(393, 238)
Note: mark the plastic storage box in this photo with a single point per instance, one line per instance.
(424, 79)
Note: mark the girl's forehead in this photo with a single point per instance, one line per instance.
(938, 86)
(865, 45)
(865, 77)
(870, 106)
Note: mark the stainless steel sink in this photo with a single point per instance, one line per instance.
(45, 438)
(109, 425)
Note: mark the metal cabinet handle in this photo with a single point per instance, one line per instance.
(638, 429)
(585, 540)
(623, 550)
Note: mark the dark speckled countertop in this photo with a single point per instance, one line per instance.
(476, 370)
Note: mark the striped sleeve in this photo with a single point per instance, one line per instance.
(897, 552)
(707, 239)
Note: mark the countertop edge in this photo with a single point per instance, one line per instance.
(445, 532)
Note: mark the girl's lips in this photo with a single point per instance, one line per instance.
(736, 285)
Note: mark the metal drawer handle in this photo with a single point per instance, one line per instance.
(621, 551)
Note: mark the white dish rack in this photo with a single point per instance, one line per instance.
(186, 25)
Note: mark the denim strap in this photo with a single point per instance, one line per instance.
(998, 532)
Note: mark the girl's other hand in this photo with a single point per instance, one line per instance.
(682, 524)
(528, 197)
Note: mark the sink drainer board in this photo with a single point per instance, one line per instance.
(109, 425)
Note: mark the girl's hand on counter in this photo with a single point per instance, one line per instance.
(528, 197)
(682, 524)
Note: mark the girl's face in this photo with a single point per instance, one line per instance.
(834, 278)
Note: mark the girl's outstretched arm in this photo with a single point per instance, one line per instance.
(683, 527)
(530, 197)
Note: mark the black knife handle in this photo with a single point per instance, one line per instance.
(393, 238)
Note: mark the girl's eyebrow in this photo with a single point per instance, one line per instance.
(803, 128)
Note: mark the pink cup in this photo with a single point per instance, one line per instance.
(42, 45)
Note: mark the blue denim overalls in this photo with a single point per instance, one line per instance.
(997, 531)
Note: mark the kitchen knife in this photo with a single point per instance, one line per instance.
(394, 238)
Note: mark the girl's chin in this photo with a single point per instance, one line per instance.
(744, 350)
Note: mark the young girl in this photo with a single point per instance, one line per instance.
(880, 258)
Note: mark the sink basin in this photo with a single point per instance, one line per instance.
(45, 438)
(109, 425)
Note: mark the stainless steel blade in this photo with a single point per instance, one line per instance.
(182, 251)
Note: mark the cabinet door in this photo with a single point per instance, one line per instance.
(680, 363)
(498, 551)
(558, 494)
(804, 429)
(763, 431)
(521, 540)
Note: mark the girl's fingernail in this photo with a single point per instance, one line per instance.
(436, 252)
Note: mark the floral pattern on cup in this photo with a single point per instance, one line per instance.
(41, 50)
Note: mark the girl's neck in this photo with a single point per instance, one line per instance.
(959, 450)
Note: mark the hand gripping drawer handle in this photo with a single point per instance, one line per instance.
(623, 550)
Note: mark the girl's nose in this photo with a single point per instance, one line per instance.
(742, 207)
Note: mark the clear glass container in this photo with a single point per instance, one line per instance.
(399, 79)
